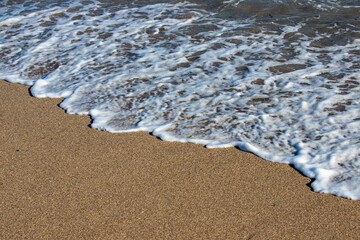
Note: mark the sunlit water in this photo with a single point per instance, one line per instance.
(278, 78)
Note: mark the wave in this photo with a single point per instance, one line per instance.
(285, 89)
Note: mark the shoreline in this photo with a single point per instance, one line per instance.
(62, 179)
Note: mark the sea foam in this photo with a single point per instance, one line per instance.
(285, 89)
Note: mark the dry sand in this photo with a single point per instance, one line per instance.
(60, 179)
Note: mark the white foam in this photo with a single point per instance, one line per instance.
(177, 71)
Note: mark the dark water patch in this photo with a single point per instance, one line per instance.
(286, 68)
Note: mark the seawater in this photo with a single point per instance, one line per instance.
(278, 78)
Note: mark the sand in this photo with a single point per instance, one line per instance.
(61, 179)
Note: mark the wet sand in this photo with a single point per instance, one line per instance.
(60, 179)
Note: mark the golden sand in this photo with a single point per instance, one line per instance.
(60, 179)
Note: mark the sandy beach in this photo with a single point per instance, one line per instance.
(61, 179)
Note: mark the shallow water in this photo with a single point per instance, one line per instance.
(277, 78)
